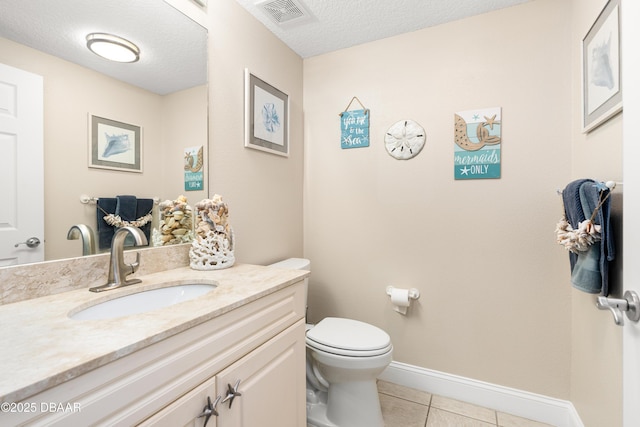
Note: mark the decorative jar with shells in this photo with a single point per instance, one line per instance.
(212, 247)
(176, 223)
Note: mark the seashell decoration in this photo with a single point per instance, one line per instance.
(588, 232)
(176, 223)
(579, 240)
(116, 144)
(212, 248)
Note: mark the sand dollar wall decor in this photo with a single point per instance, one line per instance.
(404, 139)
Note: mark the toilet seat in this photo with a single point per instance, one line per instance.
(348, 337)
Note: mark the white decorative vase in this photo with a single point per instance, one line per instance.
(212, 248)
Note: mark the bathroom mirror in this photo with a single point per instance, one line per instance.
(165, 93)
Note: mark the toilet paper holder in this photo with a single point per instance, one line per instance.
(413, 292)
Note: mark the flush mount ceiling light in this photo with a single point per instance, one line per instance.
(112, 47)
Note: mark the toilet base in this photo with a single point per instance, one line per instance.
(353, 404)
(317, 409)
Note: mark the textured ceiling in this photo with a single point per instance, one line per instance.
(339, 24)
(173, 47)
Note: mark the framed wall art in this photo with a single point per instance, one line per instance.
(478, 144)
(114, 145)
(601, 83)
(266, 116)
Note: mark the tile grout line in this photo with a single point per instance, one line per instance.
(428, 410)
(405, 399)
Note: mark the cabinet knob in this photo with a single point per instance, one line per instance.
(232, 393)
(209, 410)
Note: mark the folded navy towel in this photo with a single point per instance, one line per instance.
(590, 269)
(126, 207)
(129, 208)
(105, 231)
(573, 209)
(144, 206)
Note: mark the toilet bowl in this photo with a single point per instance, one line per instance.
(344, 359)
(348, 355)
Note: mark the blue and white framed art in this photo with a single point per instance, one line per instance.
(601, 83)
(114, 145)
(266, 116)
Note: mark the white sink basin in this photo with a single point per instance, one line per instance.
(142, 302)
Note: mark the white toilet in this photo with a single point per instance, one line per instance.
(344, 358)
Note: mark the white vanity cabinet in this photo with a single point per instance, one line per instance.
(270, 390)
(167, 383)
(272, 381)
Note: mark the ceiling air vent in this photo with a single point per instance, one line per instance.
(285, 12)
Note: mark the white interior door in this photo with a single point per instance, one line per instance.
(631, 206)
(21, 167)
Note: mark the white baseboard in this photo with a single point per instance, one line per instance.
(559, 413)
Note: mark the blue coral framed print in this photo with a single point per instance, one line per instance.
(266, 116)
(114, 145)
(601, 83)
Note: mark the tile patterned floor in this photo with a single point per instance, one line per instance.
(406, 407)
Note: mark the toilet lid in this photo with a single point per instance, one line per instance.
(348, 337)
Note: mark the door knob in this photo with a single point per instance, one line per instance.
(31, 242)
(630, 305)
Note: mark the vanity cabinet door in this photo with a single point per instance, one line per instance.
(267, 387)
(189, 410)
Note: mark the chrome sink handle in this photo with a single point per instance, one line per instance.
(630, 305)
(134, 266)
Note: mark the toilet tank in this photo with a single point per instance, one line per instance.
(296, 264)
(293, 264)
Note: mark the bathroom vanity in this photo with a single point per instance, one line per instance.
(237, 351)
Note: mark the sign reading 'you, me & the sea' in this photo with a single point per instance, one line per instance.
(355, 129)
(478, 140)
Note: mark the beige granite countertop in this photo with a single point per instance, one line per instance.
(41, 347)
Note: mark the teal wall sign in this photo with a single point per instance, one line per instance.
(478, 138)
(355, 129)
(193, 172)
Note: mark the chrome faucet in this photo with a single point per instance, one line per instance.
(118, 270)
(88, 239)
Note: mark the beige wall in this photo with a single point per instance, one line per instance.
(264, 191)
(496, 303)
(596, 342)
(71, 93)
(184, 125)
(495, 298)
